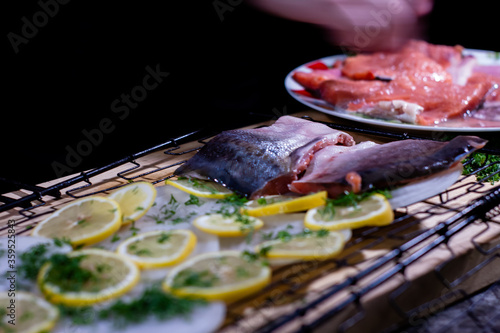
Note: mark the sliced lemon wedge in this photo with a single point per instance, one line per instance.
(280, 204)
(158, 248)
(87, 277)
(30, 313)
(224, 275)
(315, 245)
(374, 210)
(200, 187)
(233, 225)
(85, 221)
(135, 199)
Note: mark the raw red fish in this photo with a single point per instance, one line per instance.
(439, 101)
(314, 79)
(394, 65)
(423, 83)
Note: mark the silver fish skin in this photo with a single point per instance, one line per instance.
(383, 166)
(262, 161)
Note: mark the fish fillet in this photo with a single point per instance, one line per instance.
(421, 84)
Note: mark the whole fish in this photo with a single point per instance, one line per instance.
(262, 161)
(382, 166)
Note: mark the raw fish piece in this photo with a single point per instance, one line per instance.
(394, 65)
(384, 166)
(312, 80)
(439, 101)
(265, 160)
(421, 84)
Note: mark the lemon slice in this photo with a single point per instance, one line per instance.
(108, 275)
(317, 245)
(372, 211)
(228, 226)
(280, 204)
(29, 313)
(134, 199)
(200, 187)
(84, 221)
(224, 275)
(159, 248)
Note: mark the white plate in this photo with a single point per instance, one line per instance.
(483, 58)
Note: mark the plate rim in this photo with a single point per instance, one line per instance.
(288, 82)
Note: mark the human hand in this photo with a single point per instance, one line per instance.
(359, 25)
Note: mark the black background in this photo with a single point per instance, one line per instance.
(222, 72)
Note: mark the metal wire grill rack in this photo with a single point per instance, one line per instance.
(381, 269)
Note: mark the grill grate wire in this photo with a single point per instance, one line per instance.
(411, 244)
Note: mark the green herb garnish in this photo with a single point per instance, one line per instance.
(231, 204)
(82, 315)
(242, 272)
(201, 184)
(485, 167)
(32, 260)
(67, 274)
(168, 211)
(143, 252)
(348, 199)
(152, 303)
(194, 200)
(252, 257)
(190, 278)
(163, 237)
(59, 242)
(262, 201)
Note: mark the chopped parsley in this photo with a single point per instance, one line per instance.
(348, 199)
(67, 274)
(191, 278)
(252, 257)
(231, 204)
(284, 236)
(199, 184)
(168, 211)
(152, 303)
(32, 260)
(143, 252)
(262, 201)
(194, 200)
(59, 242)
(485, 167)
(241, 272)
(115, 238)
(163, 237)
(81, 315)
